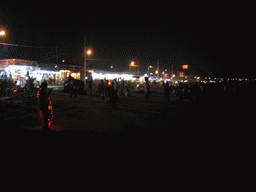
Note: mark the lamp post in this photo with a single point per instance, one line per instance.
(89, 52)
(132, 64)
(148, 69)
(3, 34)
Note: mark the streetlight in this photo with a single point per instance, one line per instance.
(2, 33)
(132, 64)
(89, 52)
(148, 69)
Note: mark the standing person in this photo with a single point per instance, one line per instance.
(116, 88)
(113, 99)
(90, 85)
(71, 87)
(43, 101)
(101, 89)
(122, 88)
(147, 90)
(167, 92)
(180, 96)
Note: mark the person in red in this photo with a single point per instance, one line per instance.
(43, 101)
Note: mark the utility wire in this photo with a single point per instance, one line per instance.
(38, 47)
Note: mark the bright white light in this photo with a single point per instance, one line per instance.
(111, 76)
(2, 33)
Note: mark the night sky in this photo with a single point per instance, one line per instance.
(213, 39)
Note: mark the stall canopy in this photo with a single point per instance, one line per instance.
(6, 62)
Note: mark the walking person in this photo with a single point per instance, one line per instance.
(180, 97)
(90, 85)
(167, 92)
(122, 94)
(113, 99)
(43, 101)
(147, 90)
(101, 89)
(71, 87)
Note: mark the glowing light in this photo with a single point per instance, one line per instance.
(184, 66)
(111, 76)
(89, 52)
(2, 33)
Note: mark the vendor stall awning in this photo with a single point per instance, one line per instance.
(6, 62)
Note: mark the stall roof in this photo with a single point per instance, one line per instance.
(5, 62)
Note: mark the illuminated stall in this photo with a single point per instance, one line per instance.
(17, 69)
(111, 76)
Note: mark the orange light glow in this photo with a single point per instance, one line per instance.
(51, 111)
(2, 33)
(184, 66)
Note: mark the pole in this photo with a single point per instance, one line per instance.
(172, 70)
(158, 68)
(56, 54)
(85, 63)
(138, 68)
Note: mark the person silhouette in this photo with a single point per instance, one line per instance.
(43, 101)
(113, 99)
(147, 90)
(167, 92)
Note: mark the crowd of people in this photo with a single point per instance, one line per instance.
(229, 90)
(240, 92)
(112, 90)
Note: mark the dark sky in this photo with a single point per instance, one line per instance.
(215, 38)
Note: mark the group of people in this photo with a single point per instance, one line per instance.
(113, 91)
(189, 91)
(183, 90)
